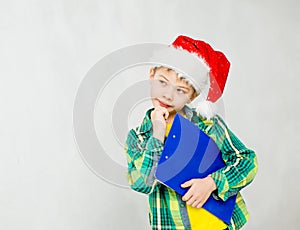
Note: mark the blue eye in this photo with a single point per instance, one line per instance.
(163, 82)
(180, 91)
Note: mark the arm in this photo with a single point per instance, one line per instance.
(142, 157)
(241, 162)
(143, 153)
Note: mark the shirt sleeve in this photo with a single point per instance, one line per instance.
(142, 157)
(241, 163)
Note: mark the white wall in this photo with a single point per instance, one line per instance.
(47, 47)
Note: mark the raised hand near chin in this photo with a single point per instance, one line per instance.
(158, 119)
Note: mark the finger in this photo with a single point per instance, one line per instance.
(200, 205)
(166, 114)
(196, 203)
(186, 184)
(187, 196)
(191, 201)
(203, 200)
(157, 114)
(162, 111)
(160, 108)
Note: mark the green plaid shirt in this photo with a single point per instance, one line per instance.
(166, 208)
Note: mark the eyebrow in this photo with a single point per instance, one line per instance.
(160, 75)
(181, 86)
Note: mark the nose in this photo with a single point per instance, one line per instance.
(169, 93)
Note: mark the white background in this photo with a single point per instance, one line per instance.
(47, 47)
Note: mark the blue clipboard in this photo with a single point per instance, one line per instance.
(190, 153)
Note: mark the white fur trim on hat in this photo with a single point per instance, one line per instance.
(206, 109)
(187, 64)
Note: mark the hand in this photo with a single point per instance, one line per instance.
(199, 191)
(158, 119)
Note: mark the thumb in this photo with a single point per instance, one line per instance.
(187, 184)
(166, 114)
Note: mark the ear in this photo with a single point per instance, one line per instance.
(151, 74)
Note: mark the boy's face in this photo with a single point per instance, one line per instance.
(168, 91)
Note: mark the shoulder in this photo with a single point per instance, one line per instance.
(197, 118)
(146, 124)
(219, 121)
(215, 127)
(216, 121)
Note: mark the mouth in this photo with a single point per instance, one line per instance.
(163, 104)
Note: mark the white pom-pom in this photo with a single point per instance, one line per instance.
(206, 109)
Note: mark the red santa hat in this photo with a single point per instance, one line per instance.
(215, 64)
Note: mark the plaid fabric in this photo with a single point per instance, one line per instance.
(166, 209)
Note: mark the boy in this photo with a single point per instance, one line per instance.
(170, 92)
